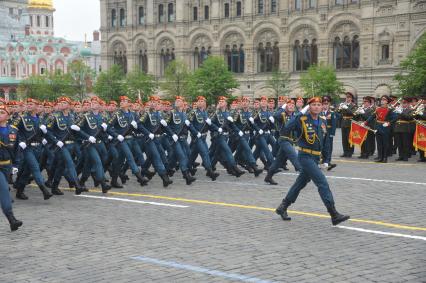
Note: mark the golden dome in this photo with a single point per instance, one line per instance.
(41, 4)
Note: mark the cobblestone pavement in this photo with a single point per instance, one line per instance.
(226, 231)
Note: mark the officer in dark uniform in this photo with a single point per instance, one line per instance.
(331, 121)
(362, 114)
(7, 149)
(402, 129)
(311, 130)
(346, 110)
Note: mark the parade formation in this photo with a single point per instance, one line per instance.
(105, 140)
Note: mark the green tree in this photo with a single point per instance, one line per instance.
(140, 83)
(212, 79)
(35, 86)
(58, 84)
(81, 78)
(412, 79)
(279, 82)
(321, 80)
(111, 84)
(176, 79)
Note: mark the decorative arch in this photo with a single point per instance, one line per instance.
(303, 41)
(166, 52)
(59, 65)
(142, 53)
(119, 52)
(344, 36)
(338, 21)
(382, 89)
(42, 66)
(201, 46)
(267, 50)
(233, 48)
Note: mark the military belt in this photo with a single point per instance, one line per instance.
(158, 136)
(347, 117)
(310, 151)
(35, 144)
(69, 142)
(5, 162)
(128, 137)
(403, 122)
(247, 132)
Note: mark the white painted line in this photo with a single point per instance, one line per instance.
(134, 201)
(383, 233)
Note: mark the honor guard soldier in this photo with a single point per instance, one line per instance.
(346, 110)
(402, 129)
(331, 120)
(362, 114)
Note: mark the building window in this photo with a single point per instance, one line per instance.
(141, 16)
(38, 21)
(170, 13)
(31, 20)
(273, 6)
(226, 10)
(166, 56)
(235, 58)
(160, 13)
(122, 18)
(346, 53)
(206, 12)
(120, 59)
(297, 5)
(201, 55)
(239, 9)
(268, 57)
(311, 3)
(260, 7)
(113, 18)
(143, 61)
(47, 21)
(195, 13)
(339, 2)
(304, 54)
(385, 52)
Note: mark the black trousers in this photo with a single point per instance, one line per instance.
(348, 150)
(383, 145)
(402, 141)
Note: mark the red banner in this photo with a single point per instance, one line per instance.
(357, 135)
(419, 141)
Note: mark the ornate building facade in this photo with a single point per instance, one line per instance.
(364, 39)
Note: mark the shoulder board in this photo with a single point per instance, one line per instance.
(303, 118)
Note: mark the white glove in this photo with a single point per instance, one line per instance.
(104, 126)
(251, 119)
(175, 137)
(272, 119)
(305, 109)
(60, 144)
(220, 130)
(134, 124)
(120, 138)
(110, 138)
(14, 170)
(208, 121)
(92, 139)
(331, 136)
(240, 133)
(362, 111)
(198, 135)
(260, 132)
(22, 145)
(344, 106)
(386, 124)
(43, 129)
(268, 132)
(187, 123)
(44, 141)
(230, 119)
(75, 128)
(284, 106)
(151, 136)
(163, 122)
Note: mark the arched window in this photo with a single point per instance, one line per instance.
(305, 54)
(122, 18)
(346, 52)
(201, 55)
(298, 4)
(239, 9)
(235, 58)
(167, 55)
(260, 7)
(143, 61)
(141, 16)
(170, 13)
(47, 21)
(38, 21)
(120, 56)
(160, 13)
(267, 57)
(31, 21)
(339, 2)
(273, 6)
(195, 13)
(226, 10)
(113, 18)
(311, 3)
(206, 12)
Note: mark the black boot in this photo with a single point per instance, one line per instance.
(141, 179)
(256, 171)
(78, 188)
(268, 179)
(105, 187)
(331, 166)
(170, 172)
(115, 183)
(213, 175)
(46, 194)
(20, 193)
(55, 189)
(193, 170)
(282, 210)
(82, 182)
(189, 179)
(237, 171)
(166, 180)
(14, 223)
(336, 217)
(124, 178)
(149, 174)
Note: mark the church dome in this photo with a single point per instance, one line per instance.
(40, 4)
